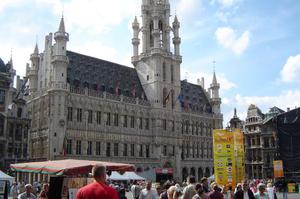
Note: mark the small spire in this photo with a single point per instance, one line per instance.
(36, 49)
(235, 115)
(214, 78)
(62, 25)
(176, 19)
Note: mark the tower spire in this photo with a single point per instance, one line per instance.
(62, 25)
(36, 49)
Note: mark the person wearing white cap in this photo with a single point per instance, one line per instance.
(28, 193)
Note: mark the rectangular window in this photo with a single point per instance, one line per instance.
(131, 121)
(78, 147)
(98, 148)
(125, 150)
(98, 117)
(107, 149)
(141, 150)
(69, 147)
(165, 125)
(90, 116)
(116, 119)
(173, 151)
(173, 126)
(141, 123)
(147, 151)
(79, 115)
(108, 119)
(70, 114)
(165, 150)
(2, 96)
(116, 149)
(132, 150)
(147, 124)
(125, 121)
(89, 148)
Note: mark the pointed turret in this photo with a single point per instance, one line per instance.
(36, 49)
(135, 40)
(176, 39)
(234, 115)
(215, 98)
(32, 72)
(214, 79)
(62, 25)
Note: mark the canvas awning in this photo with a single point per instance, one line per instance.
(69, 167)
(4, 176)
(128, 175)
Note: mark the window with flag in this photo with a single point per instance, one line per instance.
(69, 147)
(70, 114)
(78, 147)
(89, 148)
(79, 115)
(90, 116)
(98, 148)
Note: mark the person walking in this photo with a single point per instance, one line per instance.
(135, 190)
(216, 192)
(261, 193)
(229, 193)
(148, 192)
(14, 191)
(199, 192)
(244, 192)
(189, 190)
(204, 182)
(28, 193)
(44, 192)
(97, 189)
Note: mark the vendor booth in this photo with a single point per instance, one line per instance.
(65, 176)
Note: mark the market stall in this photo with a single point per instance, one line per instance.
(65, 176)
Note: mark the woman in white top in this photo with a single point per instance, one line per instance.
(271, 191)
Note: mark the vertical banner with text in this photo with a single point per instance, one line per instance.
(224, 164)
(278, 168)
(239, 154)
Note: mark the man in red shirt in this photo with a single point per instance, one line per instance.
(97, 189)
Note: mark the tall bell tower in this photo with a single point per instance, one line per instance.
(157, 66)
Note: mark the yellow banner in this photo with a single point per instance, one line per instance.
(239, 154)
(224, 164)
(278, 168)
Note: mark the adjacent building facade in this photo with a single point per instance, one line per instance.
(260, 142)
(88, 108)
(14, 122)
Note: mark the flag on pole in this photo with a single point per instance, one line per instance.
(167, 98)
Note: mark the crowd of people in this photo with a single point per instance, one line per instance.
(202, 190)
(21, 190)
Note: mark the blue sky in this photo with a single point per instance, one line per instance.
(255, 43)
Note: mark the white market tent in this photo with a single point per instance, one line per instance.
(4, 176)
(126, 176)
(133, 176)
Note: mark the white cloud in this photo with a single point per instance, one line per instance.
(5, 3)
(192, 77)
(187, 7)
(225, 3)
(286, 99)
(291, 70)
(228, 38)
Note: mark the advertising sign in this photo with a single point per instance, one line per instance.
(278, 169)
(224, 164)
(239, 154)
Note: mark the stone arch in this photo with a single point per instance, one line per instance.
(207, 172)
(184, 173)
(200, 173)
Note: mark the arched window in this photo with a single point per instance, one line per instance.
(161, 35)
(172, 73)
(165, 93)
(164, 71)
(172, 99)
(151, 37)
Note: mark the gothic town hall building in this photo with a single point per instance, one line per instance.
(87, 108)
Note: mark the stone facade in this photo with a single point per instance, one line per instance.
(14, 122)
(84, 107)
(260, 142)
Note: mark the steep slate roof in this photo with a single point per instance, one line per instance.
(85, 71)
(193, 97)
